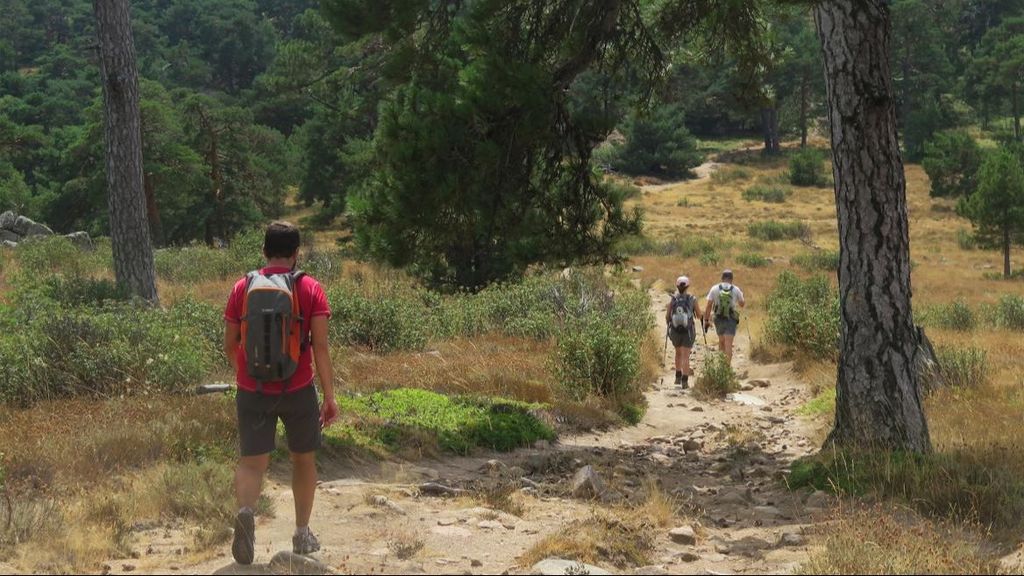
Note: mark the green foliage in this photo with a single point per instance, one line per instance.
(965, 240)
(807, 168)
(974, 484)
(657, 144)
(825, 260)
(821, 405)
(956, 315)
(595, 358)
(803, 315)
(952, 160)
(730, 174)
(716, 378)
(397, 419)
(774, 193)
(1008, 313)
(771, 230)
(380, 324)
(996, 208)
(962, 367)
(753, 260)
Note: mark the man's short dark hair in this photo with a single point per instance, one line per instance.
(281, 240)
(727, 275)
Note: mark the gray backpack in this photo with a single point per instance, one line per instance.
(272, 323)
(682, 312)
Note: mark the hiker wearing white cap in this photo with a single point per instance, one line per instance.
(725, 299)
(679, 316)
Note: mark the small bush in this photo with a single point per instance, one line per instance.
(395, 419)
(965, 240)
(772, 194)
(381, 324)
(1008, 313)
(771, 230)
(956, 315)
(593, 357)
(824, 260)
(962, 367)
(709, 259)
(806, 168)
(717, 377)
(752, 260)
(803, 315)
(729, 174)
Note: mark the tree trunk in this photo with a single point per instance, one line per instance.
(803, 109)
(1015, 98)
(878, 400)
(129, 229)
(156, 229)
(1006, 252)
(770, 126)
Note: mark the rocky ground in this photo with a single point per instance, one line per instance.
(721, 460)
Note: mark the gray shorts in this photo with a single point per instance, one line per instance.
(726, 326)
(258, 415)
(682, 338)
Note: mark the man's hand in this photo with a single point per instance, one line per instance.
(328, 412)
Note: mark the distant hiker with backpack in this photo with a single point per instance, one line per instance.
(680, 316)
(275, 327)
(724, 301)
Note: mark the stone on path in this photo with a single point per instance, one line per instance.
(558, 567)
(792, 539)
(587, 484)
(285, 562)
(683, 535)
(746, 399)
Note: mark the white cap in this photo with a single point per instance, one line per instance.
(682, 281)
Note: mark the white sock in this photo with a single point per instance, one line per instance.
(246, 509)
(301, 530)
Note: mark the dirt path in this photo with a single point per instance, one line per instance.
(721, 459)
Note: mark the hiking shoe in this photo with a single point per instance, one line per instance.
(305, 542)
(243, 548)
(679, 378)
(685, 382)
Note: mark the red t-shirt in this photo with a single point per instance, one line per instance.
(312, 302)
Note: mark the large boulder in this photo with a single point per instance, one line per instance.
(8, 244)
(7, 220)
(28, 227)
(8, 236)
(80, 239)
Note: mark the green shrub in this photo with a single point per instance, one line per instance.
(730, 174)
(962, 367)
(771, 230)
(806, 168)
(382, 324)
(716, 378)
(952, 159)
(752, 260)
(1007, 313)
(111, 350)
(593, 357)
(965, 240)
(956, 315)
(825, 260)
(657, 143)
(803, 315)
(973, 484)
(709, 259)
(57, 254)
(399, 418)
(773, 194)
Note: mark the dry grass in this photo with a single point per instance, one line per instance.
(622, 536)
(885, 540)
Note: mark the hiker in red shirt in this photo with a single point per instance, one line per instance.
(275, 325)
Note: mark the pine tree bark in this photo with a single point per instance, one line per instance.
(129, 228)
(803, 109)
(770, 127)
(1006, 252)
(878, 399)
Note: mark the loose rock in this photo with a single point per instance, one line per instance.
(558, 567)
(285, 562)
(683, 535)
(587, 484)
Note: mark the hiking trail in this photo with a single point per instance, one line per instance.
(721, 459)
